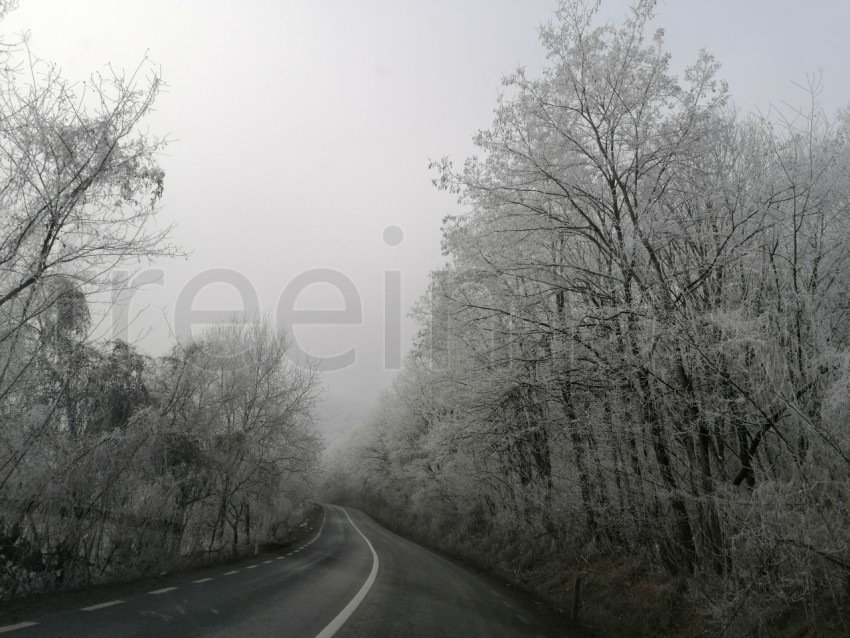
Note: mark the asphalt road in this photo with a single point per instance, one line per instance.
(353, 579)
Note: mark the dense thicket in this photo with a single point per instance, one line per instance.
(641, 340)
(113, 463)
(118, 464)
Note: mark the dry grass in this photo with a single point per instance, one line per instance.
(620, 597)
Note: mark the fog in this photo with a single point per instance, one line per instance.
(301, 134)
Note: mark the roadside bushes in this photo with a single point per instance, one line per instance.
(211, 446)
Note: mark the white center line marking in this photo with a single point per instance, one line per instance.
(20, 625)
(102, 605)
(266, 562)
(345, 614)
(156, 592)
(235, 571)
(251, 567)
(202, 580)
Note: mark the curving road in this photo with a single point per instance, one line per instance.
(353, 579)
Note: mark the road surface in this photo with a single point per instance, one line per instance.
(353, 579)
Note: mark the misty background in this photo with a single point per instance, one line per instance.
(302, 130)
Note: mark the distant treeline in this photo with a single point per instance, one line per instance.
(639, 346)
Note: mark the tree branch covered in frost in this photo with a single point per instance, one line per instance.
(640, 342)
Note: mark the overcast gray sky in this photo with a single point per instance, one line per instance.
(302, 129)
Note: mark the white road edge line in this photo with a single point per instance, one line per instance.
(345, 614)
(202, 580)
(321, 527)
(101, 605)
(20, 625)
(157, 592)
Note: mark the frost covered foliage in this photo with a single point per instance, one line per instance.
(112, 463)
(115, 464)
(640, 343)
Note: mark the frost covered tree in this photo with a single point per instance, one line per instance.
(113, 463)
(640, 339)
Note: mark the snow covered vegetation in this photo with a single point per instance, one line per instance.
(639, 345)
(113, 463)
